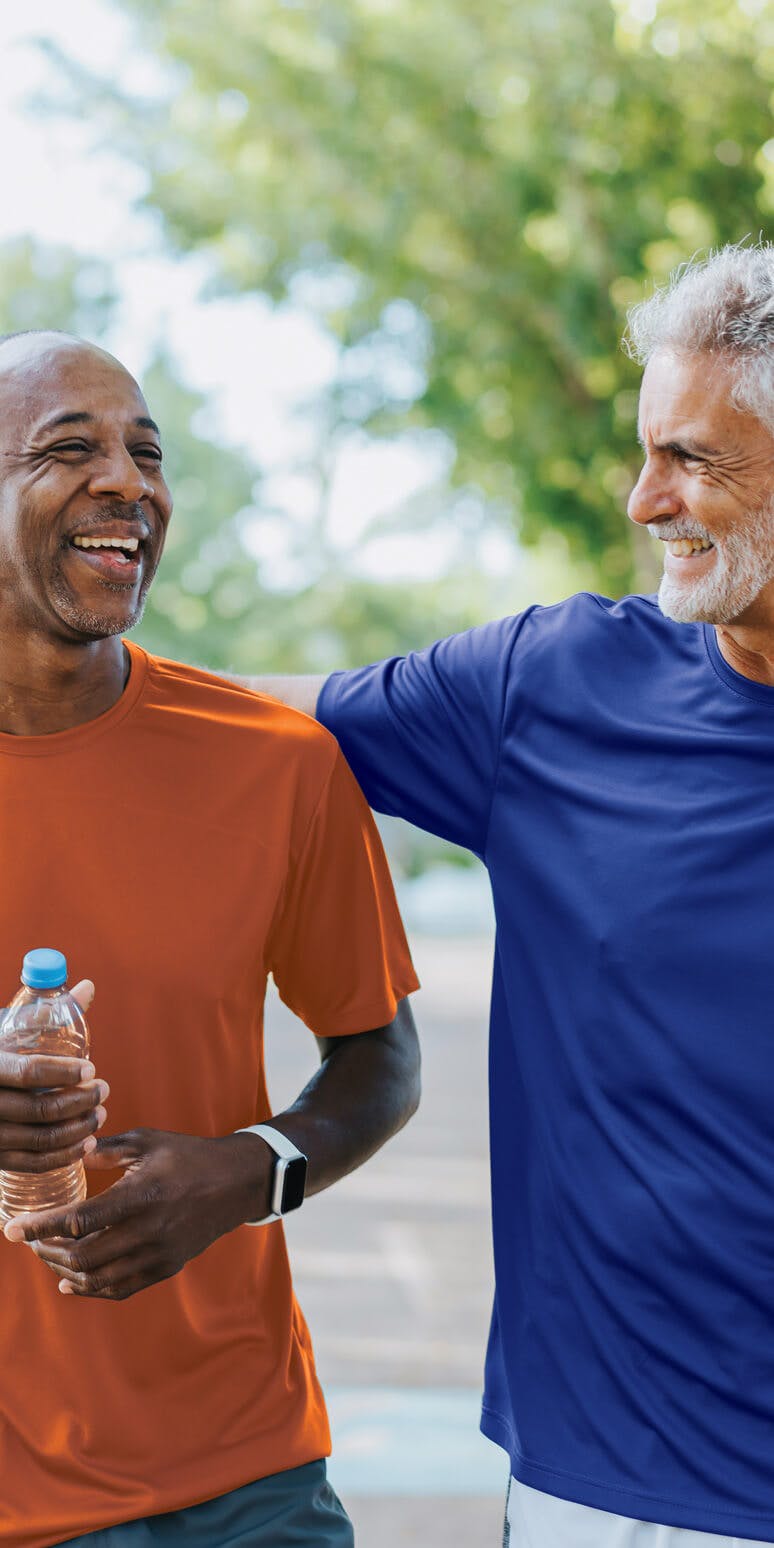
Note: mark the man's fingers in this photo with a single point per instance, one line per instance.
(116, 1150)
(77, 1220)
(44, 1108)
(22, 1070)
(83, 993)
(42, 1139)
(115, 1282)
(43, 1130)
(93, 1252)
(28, 1161)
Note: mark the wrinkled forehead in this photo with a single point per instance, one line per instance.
(689, 400)
(44, 378)
(693, 398)
(682, 387)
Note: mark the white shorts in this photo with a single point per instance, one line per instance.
(535, 1519)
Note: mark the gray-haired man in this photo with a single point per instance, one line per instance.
(611, 762)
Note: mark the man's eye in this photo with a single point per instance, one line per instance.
(64, 446)
(148, 451)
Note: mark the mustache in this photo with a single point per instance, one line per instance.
(112, 510)
(668, 531)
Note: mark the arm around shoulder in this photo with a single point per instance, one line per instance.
(299, 692)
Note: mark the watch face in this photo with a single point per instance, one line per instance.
(293, 1184)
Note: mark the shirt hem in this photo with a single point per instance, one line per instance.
(167, 1501)
(657, 1509)
(373, 1016)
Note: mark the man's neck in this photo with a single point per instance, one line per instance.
(749, 651)
(47, 686)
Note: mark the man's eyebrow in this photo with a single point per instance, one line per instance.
(689, 446)
(67, 419)
(80, 418)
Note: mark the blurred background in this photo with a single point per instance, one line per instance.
(371, 261)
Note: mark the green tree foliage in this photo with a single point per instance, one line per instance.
(51, 287)
(469, 196)
(207, 592)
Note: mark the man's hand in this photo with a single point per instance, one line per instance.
(178, 1194)
(50, 1107)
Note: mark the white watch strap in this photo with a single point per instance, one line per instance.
(277, 1142)
(282, 1147)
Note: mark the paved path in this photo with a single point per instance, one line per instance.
(393, 1522)
(393, 1270)
(418, 1441)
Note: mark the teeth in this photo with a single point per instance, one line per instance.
(682, 547)
(130, 544)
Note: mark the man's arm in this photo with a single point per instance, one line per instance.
(366, 1089)
(423, 732)
(179, 1193)
(300, 692)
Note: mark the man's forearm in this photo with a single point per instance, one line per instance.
(300, 692)
(365, 1090)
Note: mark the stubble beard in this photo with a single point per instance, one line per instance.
(744, 564)
(94, 625)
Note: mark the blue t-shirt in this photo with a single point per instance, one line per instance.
(617, 778)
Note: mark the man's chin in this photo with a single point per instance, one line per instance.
(686, 604)
(697, 604)
(90, 625)
(97, 609)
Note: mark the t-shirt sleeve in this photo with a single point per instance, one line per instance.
(338, 952)
(422, 732)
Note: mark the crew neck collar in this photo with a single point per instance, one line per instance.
(75, 736)
(745, 687)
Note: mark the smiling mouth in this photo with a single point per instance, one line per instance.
(123, 547)
(685, 548)
(117, 560)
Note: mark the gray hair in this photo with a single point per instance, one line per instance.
(723, 305)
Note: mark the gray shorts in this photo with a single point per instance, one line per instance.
(297, 1509)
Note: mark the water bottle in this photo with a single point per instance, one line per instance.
(43, 1018)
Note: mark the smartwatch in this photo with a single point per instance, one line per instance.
(290, 1167)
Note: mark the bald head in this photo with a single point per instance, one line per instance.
(35, 333)
(38, 351)
(43, 370)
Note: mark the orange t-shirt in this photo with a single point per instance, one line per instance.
(178, 849)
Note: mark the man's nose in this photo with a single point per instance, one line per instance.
(652, 498)
(118, 475)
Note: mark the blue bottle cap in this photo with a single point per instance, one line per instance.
(44, 969)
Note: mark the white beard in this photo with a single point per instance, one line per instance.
(744, 564)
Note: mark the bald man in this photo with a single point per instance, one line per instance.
(190, 1414)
